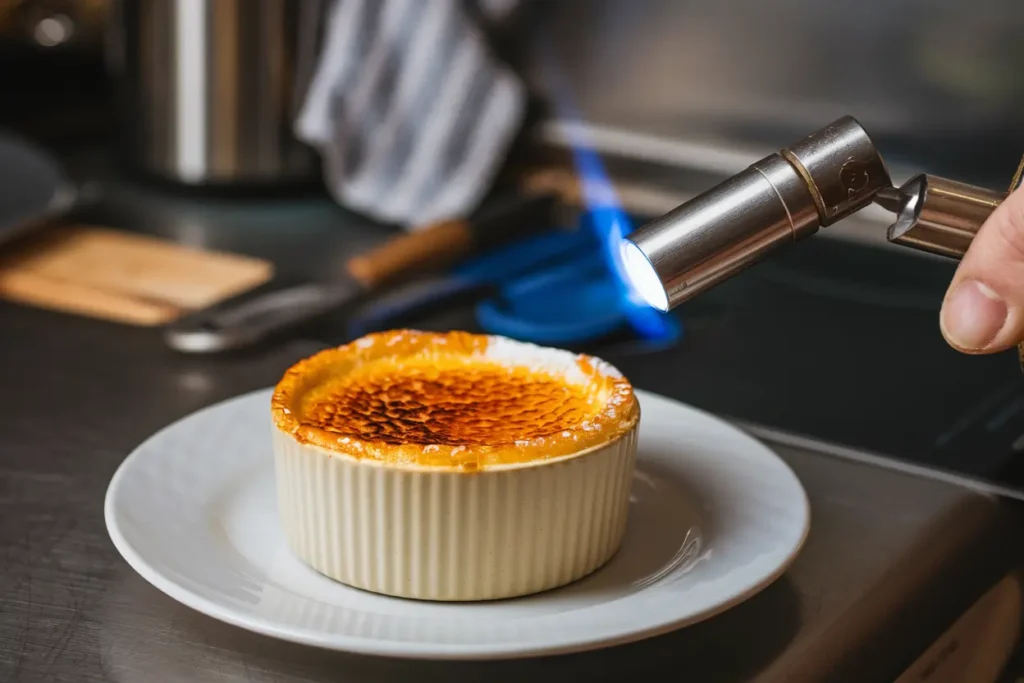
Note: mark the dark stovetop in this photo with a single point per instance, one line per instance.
(840, 342)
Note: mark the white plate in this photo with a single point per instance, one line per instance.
(715, 518)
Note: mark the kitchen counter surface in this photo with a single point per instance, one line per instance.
(890, 559)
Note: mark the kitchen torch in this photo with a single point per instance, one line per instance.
(788, 195)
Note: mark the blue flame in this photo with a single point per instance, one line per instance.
(611, 224)
(604, 211)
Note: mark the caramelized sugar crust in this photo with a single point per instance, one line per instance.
(451, 403)
(452, 400)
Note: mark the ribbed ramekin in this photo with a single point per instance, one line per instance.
(436, 534)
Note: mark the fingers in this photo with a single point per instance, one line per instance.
(983, 311)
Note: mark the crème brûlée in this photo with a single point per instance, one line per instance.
(453, 466)
(452, 400)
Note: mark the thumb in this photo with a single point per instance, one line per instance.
(984, 308)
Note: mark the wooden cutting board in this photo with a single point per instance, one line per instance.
(124, 277)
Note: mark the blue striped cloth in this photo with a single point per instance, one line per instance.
(411, 111)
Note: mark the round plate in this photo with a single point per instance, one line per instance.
(715, 518)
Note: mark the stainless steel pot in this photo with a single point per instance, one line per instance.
(209, 89)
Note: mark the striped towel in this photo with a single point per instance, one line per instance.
(410, 110)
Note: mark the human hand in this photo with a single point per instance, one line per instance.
(983, 311)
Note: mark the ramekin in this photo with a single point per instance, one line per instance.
(429, 533)
(449, 535)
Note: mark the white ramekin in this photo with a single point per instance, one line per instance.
(435, 534)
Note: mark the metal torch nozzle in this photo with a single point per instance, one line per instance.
(785, 196)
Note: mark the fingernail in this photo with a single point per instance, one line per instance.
(972, 316)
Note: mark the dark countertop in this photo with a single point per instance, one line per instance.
(890, 559)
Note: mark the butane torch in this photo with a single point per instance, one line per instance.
(789, 195)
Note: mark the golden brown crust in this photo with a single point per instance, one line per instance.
(453, 400)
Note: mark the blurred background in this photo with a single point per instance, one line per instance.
(222, 176)
(935, 81)
(232, 175)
